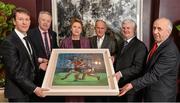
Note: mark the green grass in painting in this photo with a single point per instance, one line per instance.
(88, 81)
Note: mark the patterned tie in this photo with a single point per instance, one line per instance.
(124, 46)
(47, 49)
(154, 48)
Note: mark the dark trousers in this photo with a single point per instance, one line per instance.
(19, 100)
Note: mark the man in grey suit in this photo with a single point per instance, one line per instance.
(130, 59)
(20, 61)
(102, 40)
(161, 68)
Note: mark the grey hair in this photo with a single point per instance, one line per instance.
(101, 21)
(125, 21)
(44, 12)
(129, 21)
(169, 23)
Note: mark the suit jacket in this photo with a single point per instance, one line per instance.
(67, 42)
(108, 43)
(131, 62)
(20, 68)
(37, 41)
(161, 74)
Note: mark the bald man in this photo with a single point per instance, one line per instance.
(161, 68)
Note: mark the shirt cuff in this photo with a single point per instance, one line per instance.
(120, 74)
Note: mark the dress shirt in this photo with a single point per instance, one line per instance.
(100, 41)
(21, 36)
(48, 38)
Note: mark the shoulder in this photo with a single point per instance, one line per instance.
(33, 31)
(52, 32)
(84, 38)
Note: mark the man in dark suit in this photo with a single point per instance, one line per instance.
(130, 59)
(20, 61)
(43, 40)
(101, 40)
(160, 77)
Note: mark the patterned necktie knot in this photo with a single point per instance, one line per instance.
(125, 43)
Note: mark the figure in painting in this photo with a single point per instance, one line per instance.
(77, 64)
(90, 71)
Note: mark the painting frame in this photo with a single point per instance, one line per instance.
(79, 90)
(138, 19)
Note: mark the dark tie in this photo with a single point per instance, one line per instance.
(28, 45)
(30, 51)
(124, 46)
(47, 49)
(154, 48)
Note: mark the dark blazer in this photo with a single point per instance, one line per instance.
(161, 74)
(108, 43)
(131, 61)
(20, 69)
(37, 41)
(67, 42)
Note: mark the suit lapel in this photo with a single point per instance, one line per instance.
(105, 41)
(50, 37)
(40, 39)
(21, 47)
(130, 44)
(154, 57)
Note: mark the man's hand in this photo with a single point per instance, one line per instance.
(42, 60)
(39, 91)
(118, 75)
(125, 89)
(43, 66)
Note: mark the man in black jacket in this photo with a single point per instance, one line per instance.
(20, 61)
(43, 40)
(130, 59)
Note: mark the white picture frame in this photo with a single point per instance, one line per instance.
(90, 86)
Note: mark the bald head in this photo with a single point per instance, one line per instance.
(162, 28)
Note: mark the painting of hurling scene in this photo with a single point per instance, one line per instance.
(87, 69)
(111, 11)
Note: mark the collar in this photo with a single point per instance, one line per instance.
(130, 39)
(102, 38)
(20, 35)
(42, 31)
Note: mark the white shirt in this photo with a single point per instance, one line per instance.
(21, 36)
(100, 41)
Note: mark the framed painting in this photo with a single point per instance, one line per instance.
(113, 12)
(80, 72)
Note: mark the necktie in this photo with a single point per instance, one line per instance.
(154, 48)
(30, 51)
(28, 45)
(46, 44)
(124, 46)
